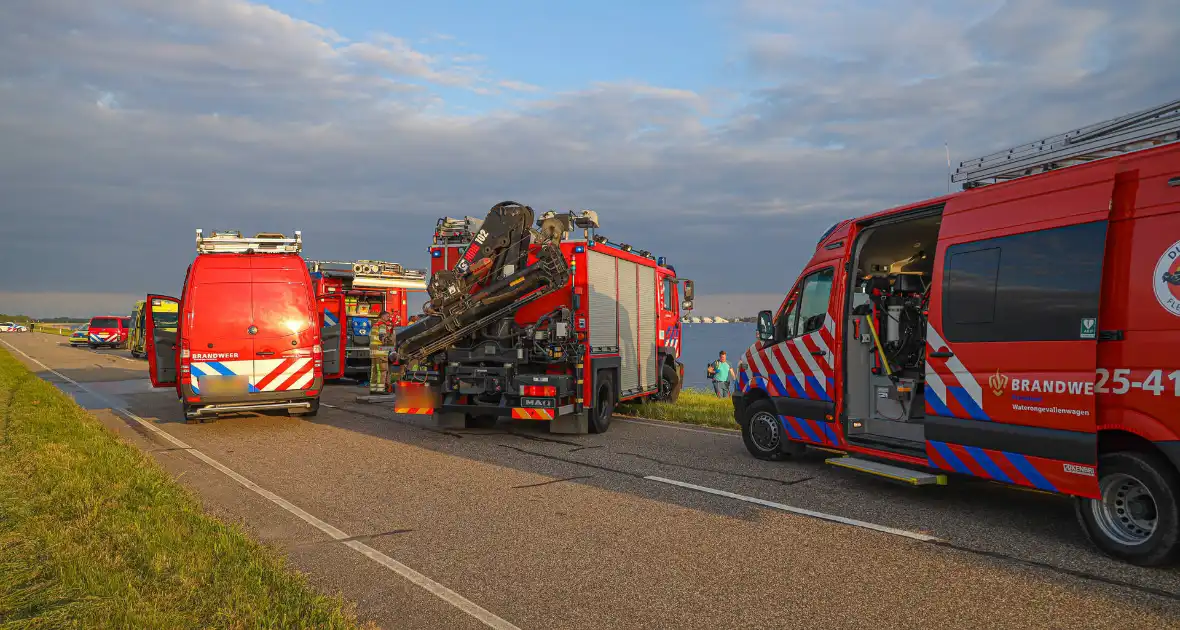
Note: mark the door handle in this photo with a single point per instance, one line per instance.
(818, 353)
(942, 354)
(265, 353)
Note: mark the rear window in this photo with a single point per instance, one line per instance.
(104, 322)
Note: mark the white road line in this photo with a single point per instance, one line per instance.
(725, 432)
(795, 510)
(451, 597)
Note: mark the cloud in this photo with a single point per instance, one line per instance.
(128, 125)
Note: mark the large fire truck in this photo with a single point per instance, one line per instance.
(1025, 330)
(369, 287)
(451, 237)
(534, 324)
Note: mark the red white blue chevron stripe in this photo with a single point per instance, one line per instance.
(810, 431)
(951, 390)
(672, 339)
(269, 375)
(792, 368)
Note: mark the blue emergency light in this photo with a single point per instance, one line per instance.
(662, 261)
(436, 253)
(579, 249)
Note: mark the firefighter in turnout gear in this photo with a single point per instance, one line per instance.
(381, 341)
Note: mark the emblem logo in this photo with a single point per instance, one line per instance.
(1166, 280)
(998, 382)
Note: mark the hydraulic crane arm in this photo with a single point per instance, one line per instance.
(491, 281)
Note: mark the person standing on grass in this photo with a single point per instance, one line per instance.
(721, 371)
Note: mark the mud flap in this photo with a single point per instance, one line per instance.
(577, 423)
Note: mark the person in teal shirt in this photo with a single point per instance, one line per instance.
(721, 371)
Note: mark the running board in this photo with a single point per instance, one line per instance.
(897, 473)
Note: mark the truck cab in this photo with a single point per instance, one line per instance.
(251, 334)
(1023, 331)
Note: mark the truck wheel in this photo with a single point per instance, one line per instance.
(669, 380)
(604, 404)
(762, 431)
(1137, 518)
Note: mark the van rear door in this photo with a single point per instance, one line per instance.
(160, 344)
(331, 307)
(285, 323)
(1012, 335)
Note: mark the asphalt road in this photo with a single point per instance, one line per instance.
(514, 527)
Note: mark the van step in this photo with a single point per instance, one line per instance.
(897, 473)
(376, 398)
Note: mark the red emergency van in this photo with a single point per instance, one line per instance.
(252, 334)
(110, 330)
(1025, 331)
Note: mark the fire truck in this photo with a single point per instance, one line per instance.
(369, 287)
(536, 324)
(451, 237)
(1025, 330)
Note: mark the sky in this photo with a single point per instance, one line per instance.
(725, 135)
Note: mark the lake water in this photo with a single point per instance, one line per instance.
(701, 343)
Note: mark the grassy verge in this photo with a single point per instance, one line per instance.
(94, 534)
(692, 407)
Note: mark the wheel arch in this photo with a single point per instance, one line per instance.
(1117, 440)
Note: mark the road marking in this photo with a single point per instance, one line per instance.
(795, 510)
(725, 432)
(451, 597)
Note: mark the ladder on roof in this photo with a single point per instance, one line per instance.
(1133, 132)
(232, 242)
(371, 273)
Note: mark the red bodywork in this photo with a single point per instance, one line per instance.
(1116, 385)
(251, 321)
(109, 330)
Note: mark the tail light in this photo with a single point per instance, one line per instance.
(183, 368)
(538, 390)
(317, 357)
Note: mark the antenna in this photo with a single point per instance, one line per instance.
(949, 176)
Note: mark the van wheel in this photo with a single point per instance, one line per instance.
(1137, 518)
(93, 346)
(762, 431)
(604, 404)
(315, 409)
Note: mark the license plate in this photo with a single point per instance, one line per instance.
(220, 385)
(545, 403)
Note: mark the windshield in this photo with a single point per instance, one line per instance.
(104, 322)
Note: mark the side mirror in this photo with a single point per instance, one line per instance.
(689, 293)
(765, 326)
(686, 305)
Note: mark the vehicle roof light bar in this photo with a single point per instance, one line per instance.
(1133, 132)
(232, 242)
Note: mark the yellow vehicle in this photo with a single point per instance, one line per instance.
(165, 316)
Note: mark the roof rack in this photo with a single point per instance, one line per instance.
(451, 231)
(232, 242)
(1133, 132)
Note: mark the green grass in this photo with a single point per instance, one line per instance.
(692, 407)
(95, 534)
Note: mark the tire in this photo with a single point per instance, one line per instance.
(604, 404)
(93, 346)
(311, 412)
(1137, 520)
(762, 432)
(669, 385)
